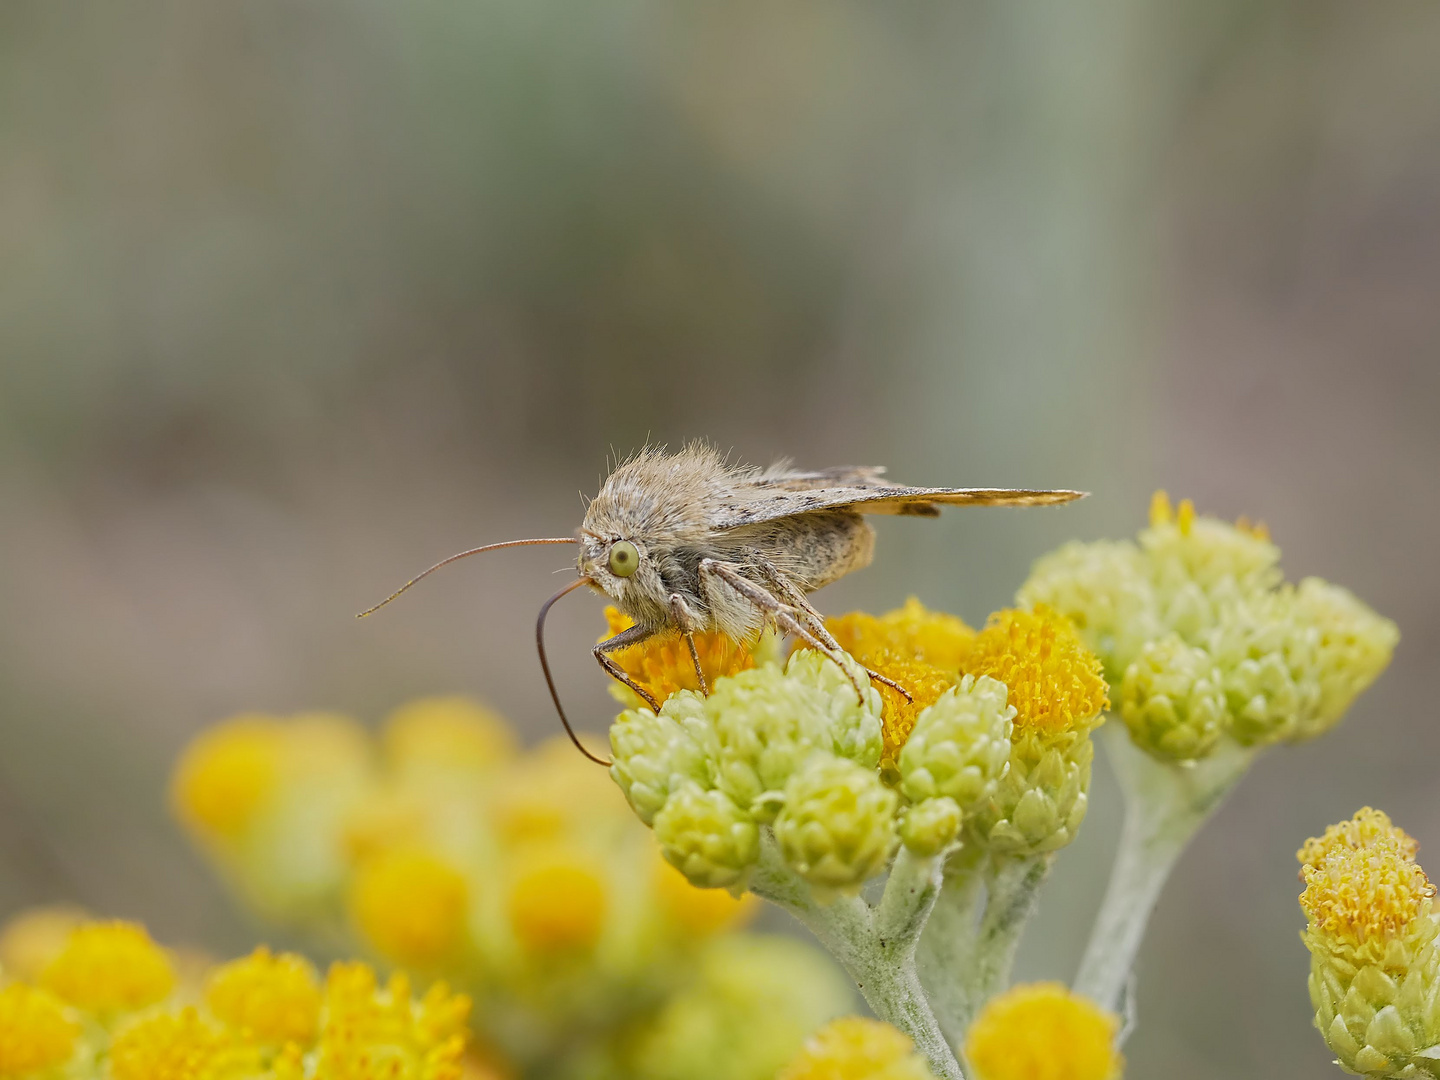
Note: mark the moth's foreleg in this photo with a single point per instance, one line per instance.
(801, 603)
(686, 621)
(631, 636)
(783, 614)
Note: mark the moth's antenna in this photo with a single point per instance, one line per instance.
(545, 667)
(464, 555)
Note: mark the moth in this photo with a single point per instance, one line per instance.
(688, 542)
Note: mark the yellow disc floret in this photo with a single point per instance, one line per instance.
(1055, 682)
(110, 967)
(31, 939)
(226, 773)
(371, 1033)
(857, 1048)
(1365, 896)
(35, 1033)
(1041, 1031)
(179, 1045)
(557, 901)
(1369, 828)
(268, 998)
(411, 905)
(664, 665)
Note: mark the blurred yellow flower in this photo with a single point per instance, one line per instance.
(1041, 1031)
(1055, 682)
(31, 939)
(857, 1048)
(35, 1033)
(664, 665)
(700, 912)
(446, 734)
(226, 773)
(179, 1045)
(557, 901)
(110, 967)
(411, 905)
(371, 1033)
(267, 998)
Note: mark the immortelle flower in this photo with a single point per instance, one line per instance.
(37, 1033)
(263, 1017)
(664, 665)
(1201, 639)
(1055, 686)
(1371, 931)
(411, 906)
(557, 900)
(1041, 1031)
(922, 650)
(857, 1048)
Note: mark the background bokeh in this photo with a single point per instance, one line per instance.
(297, 297)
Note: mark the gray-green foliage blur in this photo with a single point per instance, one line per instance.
(296, 297)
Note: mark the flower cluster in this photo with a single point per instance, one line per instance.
(1371, 931)
(1041, 1031)
(856, 1048)
(107, 1002)
(519, 876)
(994, 738)
(1203, 640)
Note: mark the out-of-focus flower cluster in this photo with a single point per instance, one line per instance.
(1371, 931)
(1041, 1031)
(1203, 640)
(994, 740)
(521, 877)
(101, 1000)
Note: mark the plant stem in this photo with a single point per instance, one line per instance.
(947, 947)
(1165, 805)
(882, 964)
(1012, 891)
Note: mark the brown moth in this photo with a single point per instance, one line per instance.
(688, 542)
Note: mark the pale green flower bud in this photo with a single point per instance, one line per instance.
(767, 722)
(838, 825)
(652, 755)
(1267, 659)
(1173, 701)
(705, 836)
(1040, 802)
(1355, 646)
(1104, 589)
(1184, 548)
(960, 746)
(929, 827)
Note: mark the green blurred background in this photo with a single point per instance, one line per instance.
(296, 297)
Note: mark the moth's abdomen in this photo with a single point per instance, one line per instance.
(819, 548)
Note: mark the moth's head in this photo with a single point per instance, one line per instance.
(622, 568)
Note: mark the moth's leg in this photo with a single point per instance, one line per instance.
(801, 603)
(783, 615)
(632, 636)
(685, 620)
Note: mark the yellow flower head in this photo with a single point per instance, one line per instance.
(270, 999)
(110, 967)
(663, 664)
(1361, 898)
(1055, 682)
(35, 1033)
(857, 1048)
(225, 775)
(411, 905)
(699, 912)
(557, 901)
(446, 734)
(1367, 829)
(1041, 1031)
(922, 650)
(31, 939)
(370, 1032)
(550, 793)
(178, 1046)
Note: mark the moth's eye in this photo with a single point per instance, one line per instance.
(624, 559)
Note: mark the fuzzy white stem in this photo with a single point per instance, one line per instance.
(1165, 805)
